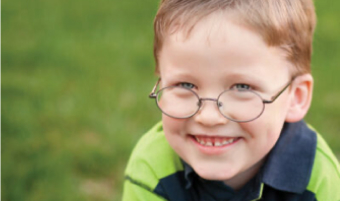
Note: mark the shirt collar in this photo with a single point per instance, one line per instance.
(289, 164)
(189, 175)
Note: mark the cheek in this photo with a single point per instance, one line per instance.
(172, 126)
(277, 111)
(264, 131)
(174, 130)
(270, 123)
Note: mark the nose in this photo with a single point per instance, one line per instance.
(209, 114)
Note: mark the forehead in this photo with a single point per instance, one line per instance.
(217, 31)
(218, 43)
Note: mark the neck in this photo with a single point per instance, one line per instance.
(242, 178)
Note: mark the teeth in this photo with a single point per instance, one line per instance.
(207, 142)
(217, 144)
(197, 139)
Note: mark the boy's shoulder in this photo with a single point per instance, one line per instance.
(301, 162)
(325, 176)
(152, 159)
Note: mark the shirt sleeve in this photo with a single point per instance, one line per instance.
(325, 177)
(138, 192)
(151, 159)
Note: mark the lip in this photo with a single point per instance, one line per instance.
(213, 150)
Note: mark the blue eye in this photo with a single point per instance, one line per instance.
(242, 86)
(187, 85)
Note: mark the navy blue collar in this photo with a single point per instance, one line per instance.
(289, 164)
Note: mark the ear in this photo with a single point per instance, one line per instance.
(300, 99)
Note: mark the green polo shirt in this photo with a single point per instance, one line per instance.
(300, 166)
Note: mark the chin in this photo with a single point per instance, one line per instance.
(219, 174)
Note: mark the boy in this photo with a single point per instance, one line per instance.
(234, 86)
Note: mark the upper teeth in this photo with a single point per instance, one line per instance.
(208, 144)
(216, 143)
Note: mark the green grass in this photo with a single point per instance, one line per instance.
(75, 80)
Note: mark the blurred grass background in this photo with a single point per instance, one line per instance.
(75, 80)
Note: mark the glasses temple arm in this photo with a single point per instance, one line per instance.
(153, 92)
(277, 95)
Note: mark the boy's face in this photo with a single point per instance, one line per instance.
(219, 55)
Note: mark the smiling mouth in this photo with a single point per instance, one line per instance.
(214, 141)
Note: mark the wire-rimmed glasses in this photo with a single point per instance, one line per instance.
(236, 104)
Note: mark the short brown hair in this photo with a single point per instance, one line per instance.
(288, 24)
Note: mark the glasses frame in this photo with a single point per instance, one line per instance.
(154, 94)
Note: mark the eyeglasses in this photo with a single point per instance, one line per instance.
(236, 104)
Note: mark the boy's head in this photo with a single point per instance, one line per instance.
(223, 67)
(286, 24)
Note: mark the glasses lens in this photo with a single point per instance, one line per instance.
(240, 105)
(177, 102)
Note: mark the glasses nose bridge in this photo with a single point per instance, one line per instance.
(206, 99)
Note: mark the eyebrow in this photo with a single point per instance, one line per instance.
(251, 77)
(245, 77)
(179, 74)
